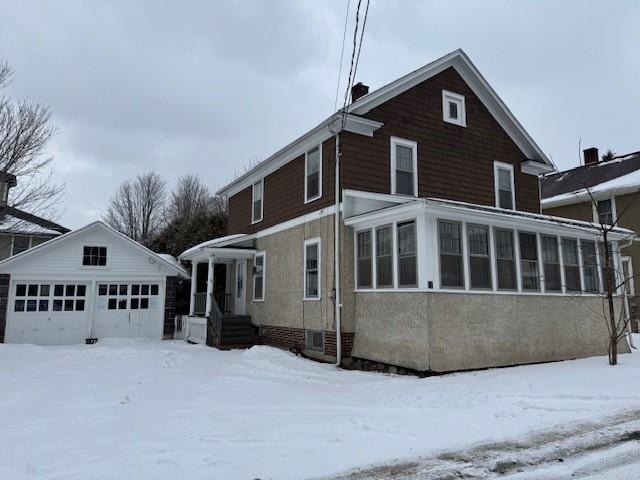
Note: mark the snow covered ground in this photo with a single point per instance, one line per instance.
(167, 410)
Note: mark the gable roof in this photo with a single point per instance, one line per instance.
(14, 220)
(620, 174)
(97, 224)
(538, 162)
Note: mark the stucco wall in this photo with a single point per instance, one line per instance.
(456, 331)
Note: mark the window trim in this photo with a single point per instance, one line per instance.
(488, 256)
(264, 276)
(462, 255)
(396, 254)
(564, 266)
(515, 259)
(306, 170)
(596, 265)
(374, 254)
(356, 258)
(540, 288)
(632, 285)
(312, 241)
(497, 166)
(253, 203)
(560, 263)
(448, 96)
(414, 148)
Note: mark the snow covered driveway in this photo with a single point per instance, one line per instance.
(167, 410)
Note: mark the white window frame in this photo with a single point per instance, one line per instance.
(264, 276)
(312, 241)
(100, 245)
(253, 203)
(631, 280)
(497, 166)
(414, 148)
(306, 169)
(355, 256)
(458, 99)
(596, 215)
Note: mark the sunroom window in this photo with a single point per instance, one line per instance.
(551, 260)
(363, 267)
(451, 261)
(529, 261)
(479, 261)
(505, 259)
(571, 264)
(590, 266)
(407, 256)
(384, 257)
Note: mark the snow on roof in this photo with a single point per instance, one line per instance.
(622, 183)
(172, 260)
(11, 224)
(216, 242)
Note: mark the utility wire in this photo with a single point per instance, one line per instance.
(364, 24)
(344, 36)
(353, 54)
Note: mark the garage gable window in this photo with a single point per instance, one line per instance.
(94, 256)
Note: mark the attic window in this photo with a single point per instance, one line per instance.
(453, 109)
(94, 256)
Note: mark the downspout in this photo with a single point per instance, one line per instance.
(625, 299)
(336, 255)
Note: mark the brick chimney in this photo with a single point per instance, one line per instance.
(591, 156)
(7, 180)
(359, 90)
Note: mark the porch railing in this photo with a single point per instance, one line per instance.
(200, 303)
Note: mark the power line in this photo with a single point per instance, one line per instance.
(364, 24)
(344, 36)
(353, 54)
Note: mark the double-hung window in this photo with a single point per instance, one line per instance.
(590, 266)
(529, 261)
(627, 275)
(312, 269)
(258, 276)
(479, 261)
(407, 256)
(94, 256)
(313, 175)
(505, 259)
(504, 185)
(404, 167)
(604, 209)
(20, 244)
(364, 260)
(451, 261)
(257, 206)
(571, 263)
(551, 261)
(384, 257)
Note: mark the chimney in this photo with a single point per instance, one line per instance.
(7, 180)
(359, 90)
(591, 156)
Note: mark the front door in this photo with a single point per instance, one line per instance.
(241, 270)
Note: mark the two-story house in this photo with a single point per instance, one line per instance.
(407, 231)
(602, 190)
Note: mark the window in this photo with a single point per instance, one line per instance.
(136, 296)
(404, 167)
(363, 266)
(627, 276)
(20, 244)
(453, 109)
(35, 297)
(504, 186)
(384, 257)
(571, 264)
(407, 258)
(315, 340)
(313, 175)
(312, 269)
(258, 276)
(451, 261)
(590, 266)
(605, 212)
(257, 203)
(479, 261)
(505, 260)
(94, 256)
(551, 262)
(529, 261)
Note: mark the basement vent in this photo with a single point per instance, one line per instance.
(315, 340)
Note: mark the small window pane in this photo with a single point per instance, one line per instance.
(134, 303)
(70, 290)
(145, 290)
(81, 290)
(453, 110)
(407, 259)
(21, 290)
(113, 304)
(57, 305)
(123, 289)
(113, 289)
(154, 289)
(122, 304)
(19, 306)
(44, 290)
(31, 305)
(135, 289)
(33, 290)
(144, 303)
(102, 289)
(58, 291)
(79, 305)
(364, 267)
(68, 305)
(384, 257)
(43, 305)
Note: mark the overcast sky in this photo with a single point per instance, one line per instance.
(205, 87)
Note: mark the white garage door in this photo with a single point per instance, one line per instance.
(47, 313)
(132, 309)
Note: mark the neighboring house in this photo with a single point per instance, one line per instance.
(444, 260)
(90, 283)
(20, 230)
(606, 191)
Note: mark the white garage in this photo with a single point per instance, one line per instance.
(91, 283)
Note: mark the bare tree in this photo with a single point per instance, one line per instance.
(190, 199)
(137, 208)
(25, 131)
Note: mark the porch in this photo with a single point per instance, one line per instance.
(217, 308)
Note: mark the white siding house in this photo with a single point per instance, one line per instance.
(91, 283)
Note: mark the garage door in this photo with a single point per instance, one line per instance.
(47, 313)
(128, 310)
